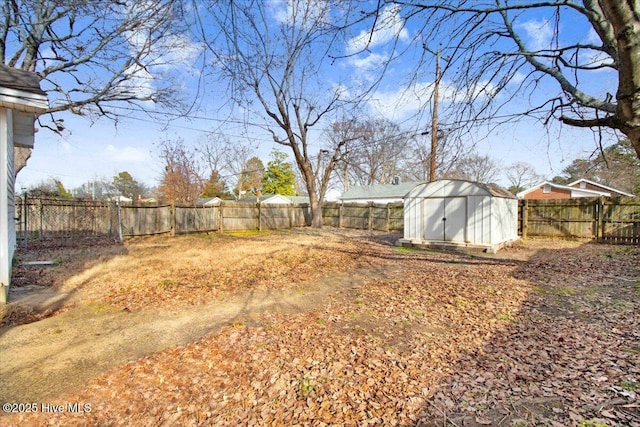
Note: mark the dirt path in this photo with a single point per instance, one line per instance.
(56, 355)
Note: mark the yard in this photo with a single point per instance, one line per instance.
(331, 327)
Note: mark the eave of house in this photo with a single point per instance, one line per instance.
(575, 192)
(604, 187)
(20, 100)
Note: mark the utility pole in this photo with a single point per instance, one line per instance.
(434, 122)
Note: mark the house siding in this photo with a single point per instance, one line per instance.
(7, 210)
(555, 193)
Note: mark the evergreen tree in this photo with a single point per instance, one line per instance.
(127, 186)
(616, 166)
(279, 177)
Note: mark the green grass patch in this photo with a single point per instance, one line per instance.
(505, 317)
(306, 387)
(168, 283)
(630, 385)
(248, 233)
(409, 250)
(592, 423)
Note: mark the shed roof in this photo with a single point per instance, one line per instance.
(458, 187)
(379, 191)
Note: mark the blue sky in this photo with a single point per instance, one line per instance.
(99, 150)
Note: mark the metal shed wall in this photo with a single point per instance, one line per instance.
(459, 212)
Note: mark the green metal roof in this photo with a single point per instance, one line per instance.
(379, 191)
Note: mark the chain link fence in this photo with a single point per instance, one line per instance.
(38, 219)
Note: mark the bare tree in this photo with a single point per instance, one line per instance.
(375, 151)
(474, 167)
(250, 179)
(272, 57)
(504, 50)
(522, 175)
(182, 180)
(94, 55)
(450, 148)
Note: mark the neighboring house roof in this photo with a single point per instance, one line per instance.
(379, 191)
(20, 90)
(148, 200)
(298, 199)
(120, 199)
(575, 192)
(586, 182)
(275, 198)
(208, 201)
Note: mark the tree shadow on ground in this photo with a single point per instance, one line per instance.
(41, 269)
(570, 355)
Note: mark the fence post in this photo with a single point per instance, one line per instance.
(172, 218)
(525, 218)
(119, 220)
(340, 213)
(25, 210)
(220, 216)
(388, 217)
(600, 219)
(41, 214)
(259, 216)
(370, 216)
(291, 213)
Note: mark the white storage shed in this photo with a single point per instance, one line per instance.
(460, 213)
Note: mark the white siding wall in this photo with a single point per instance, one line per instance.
(7, 203)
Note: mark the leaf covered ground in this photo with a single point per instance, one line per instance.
(544, 333)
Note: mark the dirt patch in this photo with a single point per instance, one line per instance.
(370, 335)
(64, 352)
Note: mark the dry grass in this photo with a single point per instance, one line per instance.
(425, 338)
(161, 272)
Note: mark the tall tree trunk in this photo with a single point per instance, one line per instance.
(626, 24)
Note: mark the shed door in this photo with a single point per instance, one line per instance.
(445, 218)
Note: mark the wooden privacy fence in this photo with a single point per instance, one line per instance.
(611, 221)
(49, 218)
(227, 216)
(371, 216)
(604, 220)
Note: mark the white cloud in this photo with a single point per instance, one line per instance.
(405, 101)
(594, 58)
(301, 13)
(137, 81)
(402, 102)
(367, 67)
(389, 26)
(539, 34)
(126, 154)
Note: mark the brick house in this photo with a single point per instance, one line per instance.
(576, 189)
